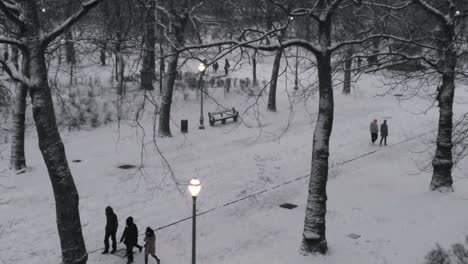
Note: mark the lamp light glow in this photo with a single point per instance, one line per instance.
(201, 67)
(194, 187)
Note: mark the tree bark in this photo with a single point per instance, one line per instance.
(166, 99)
(18, 159)
(179, 23)
(348, 64)
(443, 160)
(120, 73)
(274, 81)
(69, 46)
(314, 239)
(148, 70)
(50, 143)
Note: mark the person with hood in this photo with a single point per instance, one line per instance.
(111, 230)
(130, 238)
(383, 133)
(150, 245)
(215, 67)
(374, 130)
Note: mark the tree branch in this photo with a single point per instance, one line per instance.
(8, 10)
(10, 68)
(11, 41)
(432, 10)
(85, 8)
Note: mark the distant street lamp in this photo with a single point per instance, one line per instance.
(194, 189)
(201, 68)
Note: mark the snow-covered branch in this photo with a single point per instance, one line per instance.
(85, 8)
(432, 10)
(12, 71)
(384, 6)
(339, 45)
(6, 40)
(9, 10)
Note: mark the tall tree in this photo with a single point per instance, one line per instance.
(25, 14)
(148, 69)
(178, 17)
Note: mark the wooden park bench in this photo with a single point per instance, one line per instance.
(223, 116)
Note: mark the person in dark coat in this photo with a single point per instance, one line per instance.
(374, 130)
(226, 66)
(150, 245)
(111, 230)
(130, 238)
(383, 132)
(215, 66)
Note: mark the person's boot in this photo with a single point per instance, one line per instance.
(113, 250)
(105, 251)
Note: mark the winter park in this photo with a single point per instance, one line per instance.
(247, 131)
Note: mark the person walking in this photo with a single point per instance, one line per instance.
(130, 238)
(383, 133)
(150, 245)
(226, 66)
(374, 130)
(111, 230)
(215, 67)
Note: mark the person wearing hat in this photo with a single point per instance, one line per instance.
(111, 230)
(374, 130)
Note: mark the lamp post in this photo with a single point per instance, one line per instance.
(194, 189)
(201, 68)
(297, 64)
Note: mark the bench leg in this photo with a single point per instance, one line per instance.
(223, 121)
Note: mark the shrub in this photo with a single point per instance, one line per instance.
(458, 254)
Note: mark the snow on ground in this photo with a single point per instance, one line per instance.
(376, 192)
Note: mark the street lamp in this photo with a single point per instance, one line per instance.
(297, 64)
(194, 189)
(201, 68)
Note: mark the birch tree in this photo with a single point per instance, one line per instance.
(34, 41)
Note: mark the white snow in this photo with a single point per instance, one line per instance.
(376, 192)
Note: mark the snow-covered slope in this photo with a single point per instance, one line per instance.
(376, 192)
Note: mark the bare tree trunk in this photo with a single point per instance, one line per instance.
(18, 159)
(15, 56)
(148, 70)
(443, 160)
(177, 33)
(166, 100)
(53, 151)
(120, 73)
(102, 55)
(314, 239)
(69, 46)
(50, 143)
(348, 64)
(274, 81)
(254, 68)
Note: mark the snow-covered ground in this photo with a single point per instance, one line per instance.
(376, 192)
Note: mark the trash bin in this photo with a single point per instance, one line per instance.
(184, 126)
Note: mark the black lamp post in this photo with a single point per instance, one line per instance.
(194, 189)
(201, 68)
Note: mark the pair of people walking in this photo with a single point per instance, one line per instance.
(374, 130)
(129, 237)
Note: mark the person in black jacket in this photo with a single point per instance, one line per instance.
(383, 133)
(130, 238)
(111, 230)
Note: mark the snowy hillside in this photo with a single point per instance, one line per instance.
(378, 193)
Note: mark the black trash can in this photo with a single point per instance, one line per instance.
(184, 126)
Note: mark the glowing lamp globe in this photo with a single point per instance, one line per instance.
(201, 67)
(194, 187)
